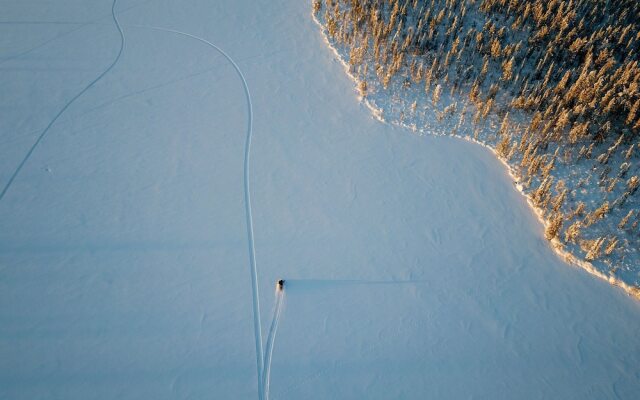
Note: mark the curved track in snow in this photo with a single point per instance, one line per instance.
(268, 351)
(247, 154)
(247, 201)
(69, 103)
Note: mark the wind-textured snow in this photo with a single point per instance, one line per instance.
(414, 269)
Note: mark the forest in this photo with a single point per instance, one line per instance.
(553, 87)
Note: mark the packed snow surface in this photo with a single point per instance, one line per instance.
(414, 269)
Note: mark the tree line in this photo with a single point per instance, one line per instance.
(570, 66)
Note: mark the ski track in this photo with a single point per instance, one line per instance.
(41, 23)
(214, 67)
(271, 338)
(247, 201)
(79, 26)
(69, 103)
(247, 154)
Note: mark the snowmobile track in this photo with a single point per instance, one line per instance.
(247, 201)
(247, 154)
(69, 103)
(268, 351)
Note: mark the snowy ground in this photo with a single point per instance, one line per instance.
(406, 104)
(415, 269)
